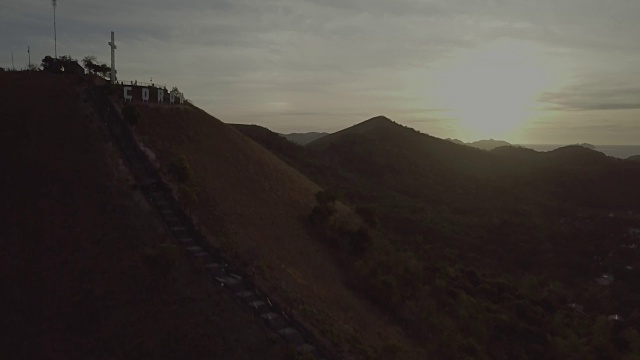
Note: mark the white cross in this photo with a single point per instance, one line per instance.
(112, 43)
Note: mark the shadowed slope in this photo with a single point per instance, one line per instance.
(87, 270)
(487, 248)
(256, 208)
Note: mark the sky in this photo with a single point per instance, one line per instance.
(529, 72)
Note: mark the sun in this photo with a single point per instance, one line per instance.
(492, 90)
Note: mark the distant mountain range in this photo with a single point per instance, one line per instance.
(492, 226)
(304, 138)
(483, 144)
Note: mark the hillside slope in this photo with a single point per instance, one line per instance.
(79, 245)
(490, 249)
(255, 207)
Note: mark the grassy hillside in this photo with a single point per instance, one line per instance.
(79, 245)
(488, 249)
(255, 207)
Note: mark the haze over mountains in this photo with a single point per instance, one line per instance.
(620, 151)
(304, 138)
(511, 220)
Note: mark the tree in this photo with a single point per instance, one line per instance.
(66, 59)
(88, 62)
(50, 64)
(94, 67)
(180, 170)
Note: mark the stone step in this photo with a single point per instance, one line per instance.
(274, 320)
(233, 282)
(247, 296)
(202, 256)
(215, 269)
(260, 307)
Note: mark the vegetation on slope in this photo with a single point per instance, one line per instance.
(488, 254)
(255, 207)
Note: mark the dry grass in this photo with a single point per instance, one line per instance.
(256, 206)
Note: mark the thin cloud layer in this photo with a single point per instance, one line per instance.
(319, 65)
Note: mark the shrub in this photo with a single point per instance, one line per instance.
(180, 170)
(321, 213)
(360, 241)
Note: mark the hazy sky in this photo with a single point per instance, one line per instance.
(543, 71)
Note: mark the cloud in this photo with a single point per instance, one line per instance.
(590, 97)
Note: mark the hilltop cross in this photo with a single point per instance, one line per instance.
(112, 43)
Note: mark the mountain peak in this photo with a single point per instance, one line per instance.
(380, 119)
(374, 123)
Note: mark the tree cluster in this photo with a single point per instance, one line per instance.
(92, 66)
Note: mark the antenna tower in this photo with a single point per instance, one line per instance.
(55, 37)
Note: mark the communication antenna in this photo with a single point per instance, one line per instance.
(29, 52)
(55, 40)
(13, 66)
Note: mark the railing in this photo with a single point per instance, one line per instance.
(140, 83)
(239, 284)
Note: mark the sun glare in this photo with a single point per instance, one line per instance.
(492, 90)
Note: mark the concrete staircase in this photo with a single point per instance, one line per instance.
(200, 251)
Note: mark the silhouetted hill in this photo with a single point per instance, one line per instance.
(482, 232)
(456, 141)
(274, 142)
(256, 207)
(586, 145)
(304, 138)
(375, 123)
(488, 144)
(88, 270)
(634, 158)
(482, 144)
